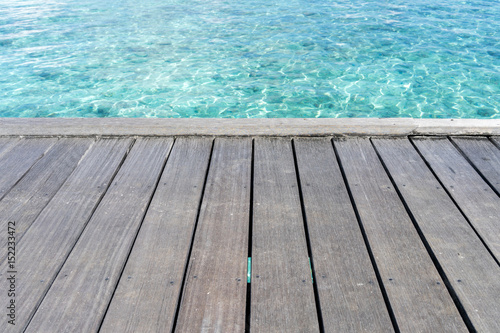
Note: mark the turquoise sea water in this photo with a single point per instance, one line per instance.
(255, 58)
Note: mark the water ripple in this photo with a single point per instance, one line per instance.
(256, 58)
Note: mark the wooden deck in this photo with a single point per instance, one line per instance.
(155, 234)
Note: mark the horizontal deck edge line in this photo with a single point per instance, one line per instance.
(245, 127)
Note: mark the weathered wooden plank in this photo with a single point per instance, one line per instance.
(282, 293)
(418, 296)
(470, 269)
(247, 127)
(475, 197)
(148, 292)
(19, 159)
(484, 155)
(45, 245)
(81, 292)
(496, 140)
(31, 194)
(214, 296)
(6, 144)
(350, 296)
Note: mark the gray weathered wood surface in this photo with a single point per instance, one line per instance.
(279, 248)
(147, 295)
(471, 271)
(89, 275)
(19, 159)
(416, 292)
(349, 294)
(214, 297)
(31, 194)
(484, 155)
(246, 127)
(6, 144)
(116, 243)
(55, 231)
(475, 197)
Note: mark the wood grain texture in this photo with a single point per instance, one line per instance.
(496, 140)
(475, 197)
(470, 269)
(350, 297)
(46, 244)
(146, 299)
(31, 194)
(147, 295)
(247, 127)
(6, 144)
(418, 296)
(484, 155)
(19, 159)
(282, 293)
(81, 292)
(214, 296)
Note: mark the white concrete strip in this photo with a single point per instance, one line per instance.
(245, 127)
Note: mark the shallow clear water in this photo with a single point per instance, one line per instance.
(255, 58)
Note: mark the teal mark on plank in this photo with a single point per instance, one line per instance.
(249, 270)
